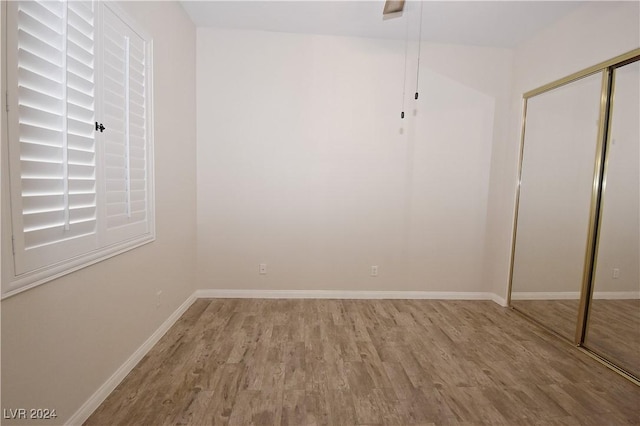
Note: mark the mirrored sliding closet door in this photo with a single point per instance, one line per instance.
(613, 329)
(575, 266)
(558, 157)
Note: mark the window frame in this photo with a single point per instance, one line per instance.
(14, 283)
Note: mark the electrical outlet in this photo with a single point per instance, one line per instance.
(263, 269)
(374, 271)
(158, 298)
(616, 273)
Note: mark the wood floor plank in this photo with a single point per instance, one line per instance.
(317, 405)
(295, 366)
(254, 407)
(367, 408)
(341, 407)
(294, 410)
(361, 362)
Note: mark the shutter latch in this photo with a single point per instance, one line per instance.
(100, 127)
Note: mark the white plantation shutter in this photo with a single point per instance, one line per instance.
(125, 142)
(55, 207)
(77, 195)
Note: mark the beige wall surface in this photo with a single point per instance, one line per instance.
(304, 163)
(62, 340)
(591, 34)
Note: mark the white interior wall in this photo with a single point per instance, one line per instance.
(62, 340)
(304, 163)
(591, 34)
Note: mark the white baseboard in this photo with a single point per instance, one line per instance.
(346, 294)
(548, 295)
(616, 295)
(112, 382)
(499, 300)
(574, 295)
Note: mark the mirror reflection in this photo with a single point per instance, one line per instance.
(559, 152)
(613, 330)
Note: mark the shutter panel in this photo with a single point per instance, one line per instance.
(124, 102)
(54, 189)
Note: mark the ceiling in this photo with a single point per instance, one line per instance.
(480, 23)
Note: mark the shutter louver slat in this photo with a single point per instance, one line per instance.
(39, 65)
(79, 84)
(38, 117)
(138, 163)
(79, 126)
(41, 187)
(81, 187)
(137, 98)
(137, 111)
(138, 195)
(83, 41)
(113, 59)
(138, 206)
(43, 203)
(138, 50)
(39, 47)
(43, 136)
(78, 68)
(137, 83)
(138, 185)
(113, 111)
(137, 131)
(84, 10)
(83, 172)
(43, 220)
(34, 238)
(42, 27)
(43, 101)
(81, 25)
(81, 158)
(44, 11)
(81, 99)
(82, 56)
(83, 200)
(81, 214)
(40, 83)
(40, 169)
(81, 114)
(38, 152)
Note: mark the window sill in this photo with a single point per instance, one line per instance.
(24, 282)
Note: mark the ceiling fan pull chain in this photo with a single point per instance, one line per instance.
(404, 81)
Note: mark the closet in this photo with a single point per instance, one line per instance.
(575, 266)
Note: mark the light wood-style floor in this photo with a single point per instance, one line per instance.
(560, 316)
(365, 362)
(613, 331)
